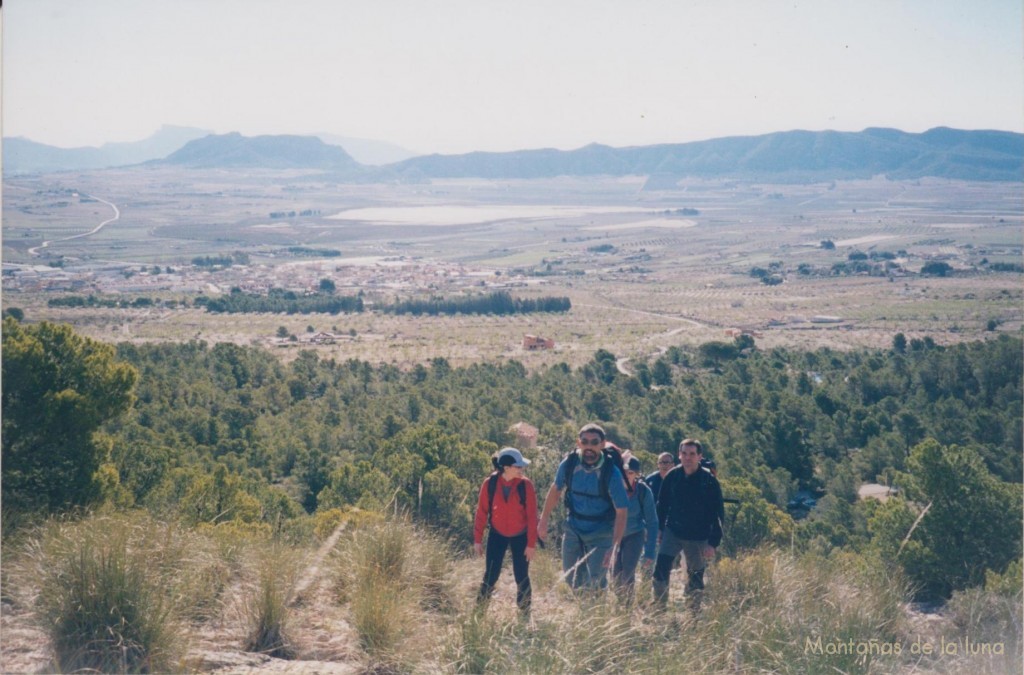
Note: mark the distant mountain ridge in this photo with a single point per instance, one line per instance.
(269, 152)
(787, 156)
(21, 155)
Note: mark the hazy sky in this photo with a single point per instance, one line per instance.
(459, 75)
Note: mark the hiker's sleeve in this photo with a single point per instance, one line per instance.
(480, 521)
(717, 509)
(650, 513)
(531, 515)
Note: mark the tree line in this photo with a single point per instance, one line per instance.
(325, 301)
(279, 301)
(499, 303)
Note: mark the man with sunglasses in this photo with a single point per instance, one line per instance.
(597, 505)
(665, 464)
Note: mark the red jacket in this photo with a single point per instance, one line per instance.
(509, 517)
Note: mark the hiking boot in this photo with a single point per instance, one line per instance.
(483, 596)
(660, 594)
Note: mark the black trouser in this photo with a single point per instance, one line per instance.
(496, 545)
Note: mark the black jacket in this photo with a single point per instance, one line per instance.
(654, 482)
(691, 506)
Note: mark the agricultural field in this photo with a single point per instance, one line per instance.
(644, 269)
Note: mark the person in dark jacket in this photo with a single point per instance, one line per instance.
(508, 502)
(665, 464)
(690, 514)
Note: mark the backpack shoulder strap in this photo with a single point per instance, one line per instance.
(571, 460)
(606, 476)
(522, 492)
(492, 487)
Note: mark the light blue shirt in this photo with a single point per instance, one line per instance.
(587, 498)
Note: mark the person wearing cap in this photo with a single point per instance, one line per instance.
(594, 492)
(641, 535)
(508, 502)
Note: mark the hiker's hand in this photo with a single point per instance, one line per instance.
(478, 549)
(529, 553)
(709, 552)
(542, 529)
(607, 562)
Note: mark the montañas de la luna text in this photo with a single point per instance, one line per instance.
(963, 646)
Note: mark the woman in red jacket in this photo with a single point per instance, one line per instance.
(508, 502)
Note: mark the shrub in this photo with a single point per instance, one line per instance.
(388, 572)
(267, 606)
(590, 636)
(990, 618)
(102, 601)
(475, 645)
(771, 612)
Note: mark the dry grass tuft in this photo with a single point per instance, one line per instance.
(393, 576)
(103, 598)
(266, 608)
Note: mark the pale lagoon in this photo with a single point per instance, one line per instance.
(467, 215)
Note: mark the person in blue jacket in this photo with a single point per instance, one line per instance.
(641, 537)
(594, 493)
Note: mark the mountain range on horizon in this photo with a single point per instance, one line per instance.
(22, 155)
(788, 156)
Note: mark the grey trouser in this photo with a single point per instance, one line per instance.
(630, 550)
(583, 555)
(693, 552)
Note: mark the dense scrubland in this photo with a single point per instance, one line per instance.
(163, 503)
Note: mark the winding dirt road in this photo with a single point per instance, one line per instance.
(117, 214)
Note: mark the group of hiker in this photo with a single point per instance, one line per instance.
(616, 519)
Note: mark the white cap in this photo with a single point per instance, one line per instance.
(517, 457)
